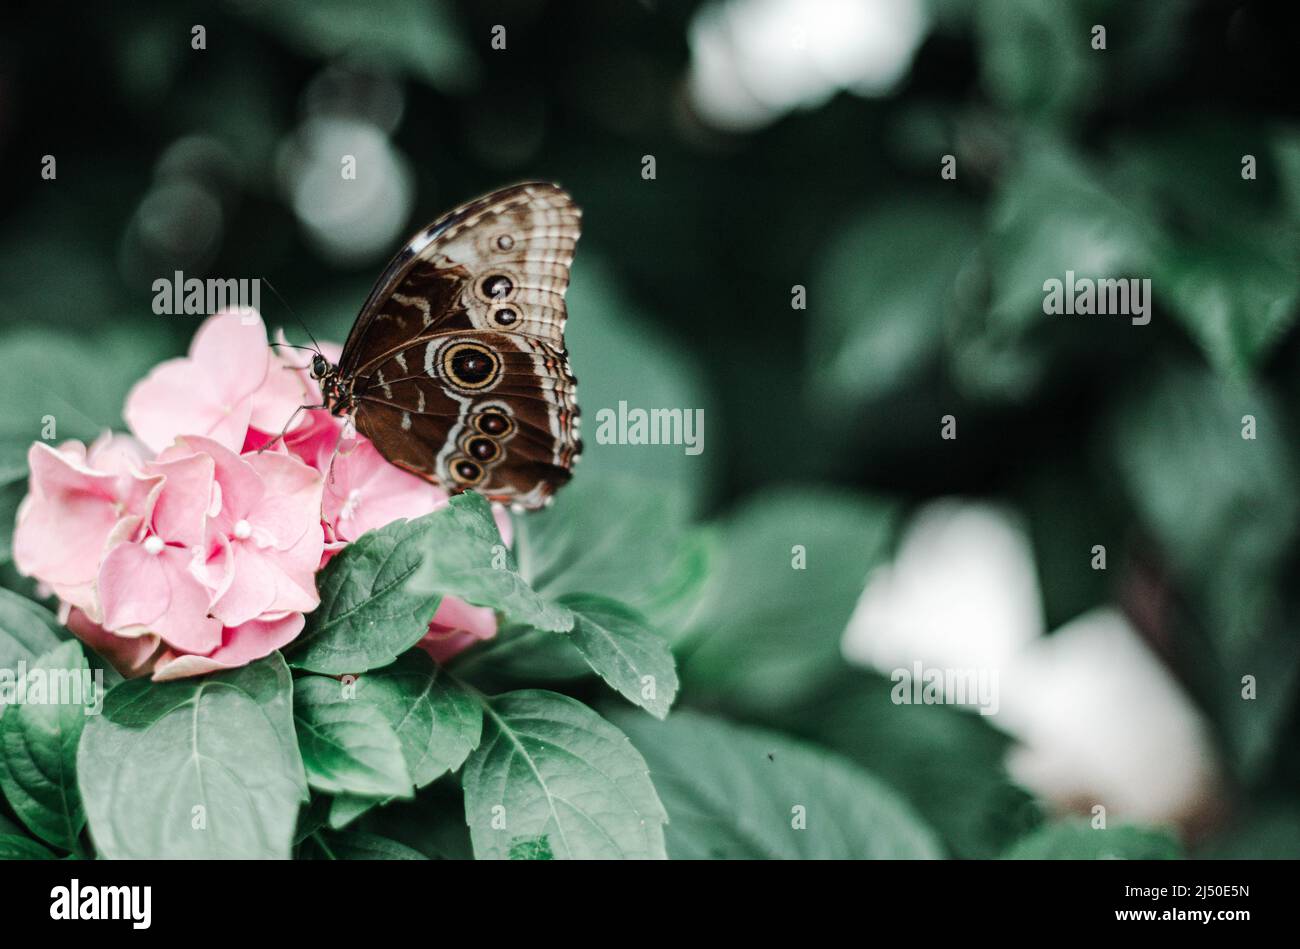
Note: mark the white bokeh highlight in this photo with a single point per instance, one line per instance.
(1097, 717)
(754, 60)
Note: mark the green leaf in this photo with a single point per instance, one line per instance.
(1269, 830)
(551, 769)
(346, 808)
(648, 558)
(436, 721)
(347, 745)
(38, 745)
(768, 630)
(462, 555)
(946, 762)
(885, 292)
(618, 535)
(1036, 59)
(198, 768)
(631, 657)
(623, 355)
(55, 381)
(359, 845)
(645, 554)
(1055, 213)
(13, 847)
(741, 793)
(1233, 496)
(1078, 840)
(1228, 264)
(27, 630)
(367, 617)
(1235, 290)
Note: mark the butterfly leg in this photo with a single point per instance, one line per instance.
(348, 433)
(288, 425)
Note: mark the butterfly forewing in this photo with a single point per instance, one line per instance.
(457, 362)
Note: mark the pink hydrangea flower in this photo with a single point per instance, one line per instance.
(263, 537)
(155, 585)
(239, 646)
(80, 504)
(194, 546)
(456, 626)
(363, 492)
(210, 391)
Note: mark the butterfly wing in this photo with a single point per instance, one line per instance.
(457, 361)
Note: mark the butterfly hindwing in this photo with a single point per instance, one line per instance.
(457, 362)
(489, 411)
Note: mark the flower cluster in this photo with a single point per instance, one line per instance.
(193, 544)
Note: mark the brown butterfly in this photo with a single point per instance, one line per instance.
(456, 368)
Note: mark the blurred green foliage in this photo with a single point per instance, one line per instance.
(924, 299)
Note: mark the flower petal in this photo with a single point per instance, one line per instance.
(181, 510)
(157, 593)
(179, 398)
(232, 348)
(239, 646)
(456, 626)
(128, 655)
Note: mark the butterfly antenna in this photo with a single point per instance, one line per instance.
(285, 304)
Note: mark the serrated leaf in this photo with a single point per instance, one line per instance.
(742, 793)
(647, 557)
(38, 746)
(1079, 840)
(198, 768)
(346, 745)
(462, 555)
(367, 616)
(550, 768)
(618, 645)
(436, 721)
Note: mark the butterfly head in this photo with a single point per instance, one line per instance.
(320, 366)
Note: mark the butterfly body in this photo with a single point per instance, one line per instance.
(456, 367)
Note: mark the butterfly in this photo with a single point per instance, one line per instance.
(456, 368)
